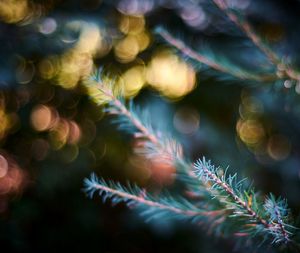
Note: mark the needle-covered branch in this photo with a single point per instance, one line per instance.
(282, 69)
(218, 66)
(164, 207)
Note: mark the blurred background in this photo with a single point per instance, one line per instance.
(52, 135)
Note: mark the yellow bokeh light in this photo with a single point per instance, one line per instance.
(250, 107)
(77, 63)
(143, 40)
(5, 123)
(7, 120)
(173, 77)
(132, 24)
(250, 131)
(133, 80)
(12, 11)
(135, 41)
(74, 66)
(90, 38)
(127, 49)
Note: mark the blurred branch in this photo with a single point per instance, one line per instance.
(182, 47)
(282, 69)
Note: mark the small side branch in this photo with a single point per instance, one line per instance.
(134, 195)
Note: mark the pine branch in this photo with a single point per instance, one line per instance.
(164, 206)
(116, 105)
(201, 58)
(244, 204)
(101, 90)
(247, 29)
(282, 68)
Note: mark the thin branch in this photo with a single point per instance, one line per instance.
(125, 112)
(245, 26)
(178, 44)
(142, 199)
(135, 121)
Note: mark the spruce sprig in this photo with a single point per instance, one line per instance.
(269, 217)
